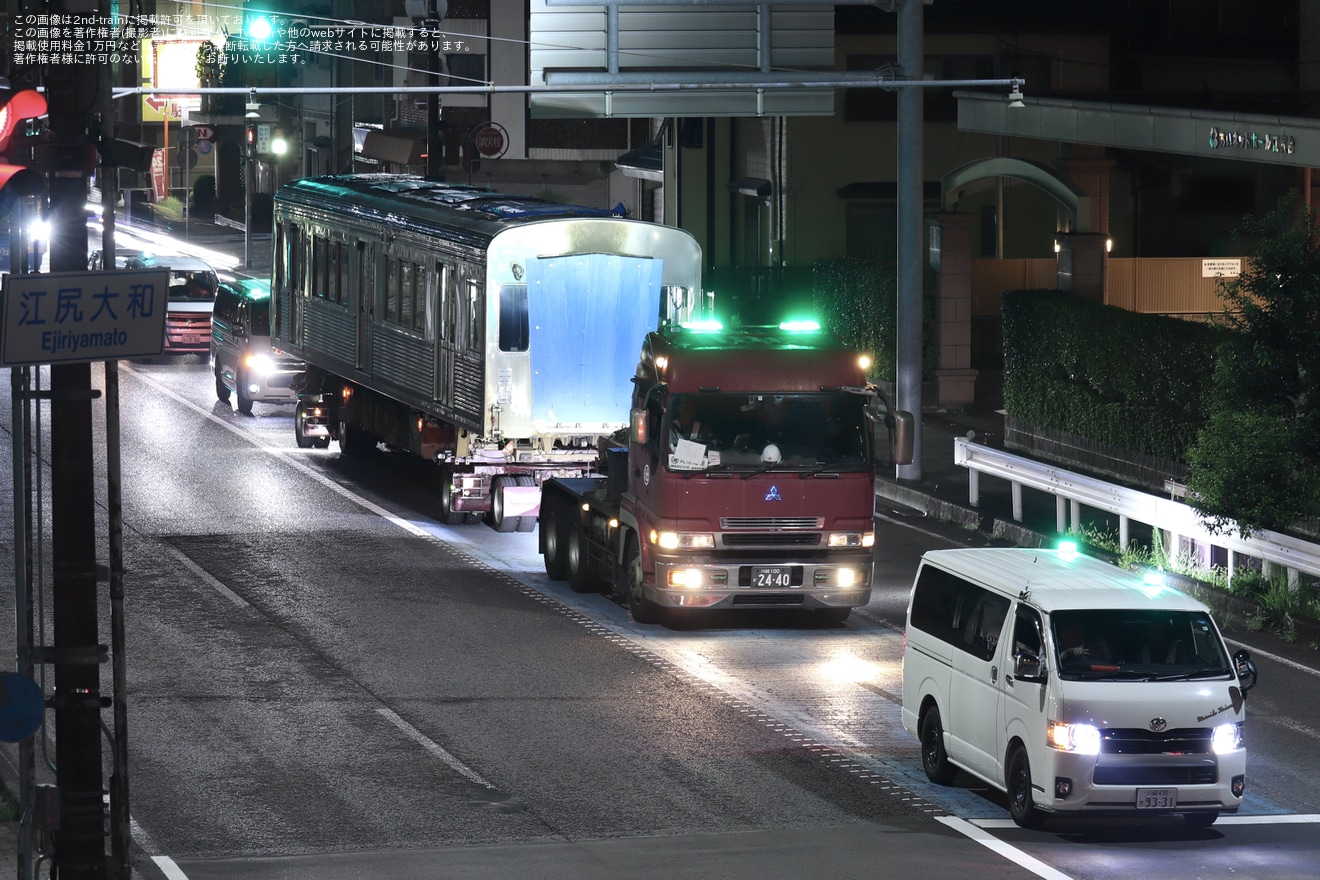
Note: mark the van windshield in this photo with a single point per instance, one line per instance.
(1138, 644)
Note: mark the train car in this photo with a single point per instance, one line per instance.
(492, 334)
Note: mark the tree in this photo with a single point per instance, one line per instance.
(1257, 460)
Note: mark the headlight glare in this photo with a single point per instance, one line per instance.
(1226, 738)
(1082, 739)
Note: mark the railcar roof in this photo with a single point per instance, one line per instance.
(386, 196)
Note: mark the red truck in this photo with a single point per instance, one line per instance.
(746, 478)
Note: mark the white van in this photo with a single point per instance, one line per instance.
(1073, 686)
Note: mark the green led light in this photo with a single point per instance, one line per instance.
(707, 326)
(1067, 549)
(800, 326)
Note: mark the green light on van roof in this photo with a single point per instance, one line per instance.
(800, 325)
(1067, 549)
(709, 325)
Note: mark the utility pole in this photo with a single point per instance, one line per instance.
(80, 841)
(911, 235)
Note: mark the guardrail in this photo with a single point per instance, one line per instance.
(1072, 491)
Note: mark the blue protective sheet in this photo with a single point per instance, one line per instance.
(588, 314)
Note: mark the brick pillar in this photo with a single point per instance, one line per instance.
(951, 258)
(1082, 264)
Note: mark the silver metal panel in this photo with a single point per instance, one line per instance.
(1278, 140)
(702, 39)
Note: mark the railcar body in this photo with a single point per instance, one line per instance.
(493, 334)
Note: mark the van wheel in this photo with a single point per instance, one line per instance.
(554, 534)
(1021, 802)
(244, 402)
(580, 578)
(1201, 820)
(643, 610)
(934, 760)
(221, 389)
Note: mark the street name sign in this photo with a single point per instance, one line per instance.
(73, 317)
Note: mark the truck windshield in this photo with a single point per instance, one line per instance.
(789, 431)
(1137, 644)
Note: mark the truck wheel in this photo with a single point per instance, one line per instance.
(580, 578)
(1021, 804)
(495, 518)
(833, 615)
(643, 610)
(448, 515)
(934, 760)
(244, 402)
(554, 537)
(1201, 820)
(221, 389)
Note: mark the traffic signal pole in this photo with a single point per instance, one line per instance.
(80, 839)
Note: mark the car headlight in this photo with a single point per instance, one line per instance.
(1081, 739)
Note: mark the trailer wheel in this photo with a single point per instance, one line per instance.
(554, 535)
(643, 610)
(525, 523)
(495, 518)
(580, 578)
(353, 441)
(448, 515)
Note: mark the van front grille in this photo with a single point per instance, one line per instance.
(1135, 741)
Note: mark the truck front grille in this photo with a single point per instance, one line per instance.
(763, 523)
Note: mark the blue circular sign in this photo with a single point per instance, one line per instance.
(22, 707)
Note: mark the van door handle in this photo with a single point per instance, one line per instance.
(994, 674)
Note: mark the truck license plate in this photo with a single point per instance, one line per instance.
(776, 577)
(1157, 798)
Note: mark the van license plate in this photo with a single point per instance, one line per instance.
(1157, 798)
(773, 578)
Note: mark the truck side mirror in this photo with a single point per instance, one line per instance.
(901, 433)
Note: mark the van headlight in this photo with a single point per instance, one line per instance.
(1081, 739)
(1226, 738)
(260, 364)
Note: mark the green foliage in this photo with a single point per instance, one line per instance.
(1277, 604)
(1115, 376)
(1257, 459)
(857, 300)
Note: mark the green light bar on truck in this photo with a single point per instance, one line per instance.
(800, 326)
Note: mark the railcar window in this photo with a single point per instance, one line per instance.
(434, 283)
(513, 317)
(335, 287)
(407, 293)
(474, 314)
(391, 314)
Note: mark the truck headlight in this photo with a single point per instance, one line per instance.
(851, 539)
(1082, 739)
(683, 540)
(260, 364)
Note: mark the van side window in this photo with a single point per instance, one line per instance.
(986, 623)
(940, 602)
(1027, 637)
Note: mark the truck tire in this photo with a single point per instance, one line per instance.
(643, 610)
(580, 578)
(554, 537)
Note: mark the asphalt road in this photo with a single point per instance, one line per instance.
(323, 682)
